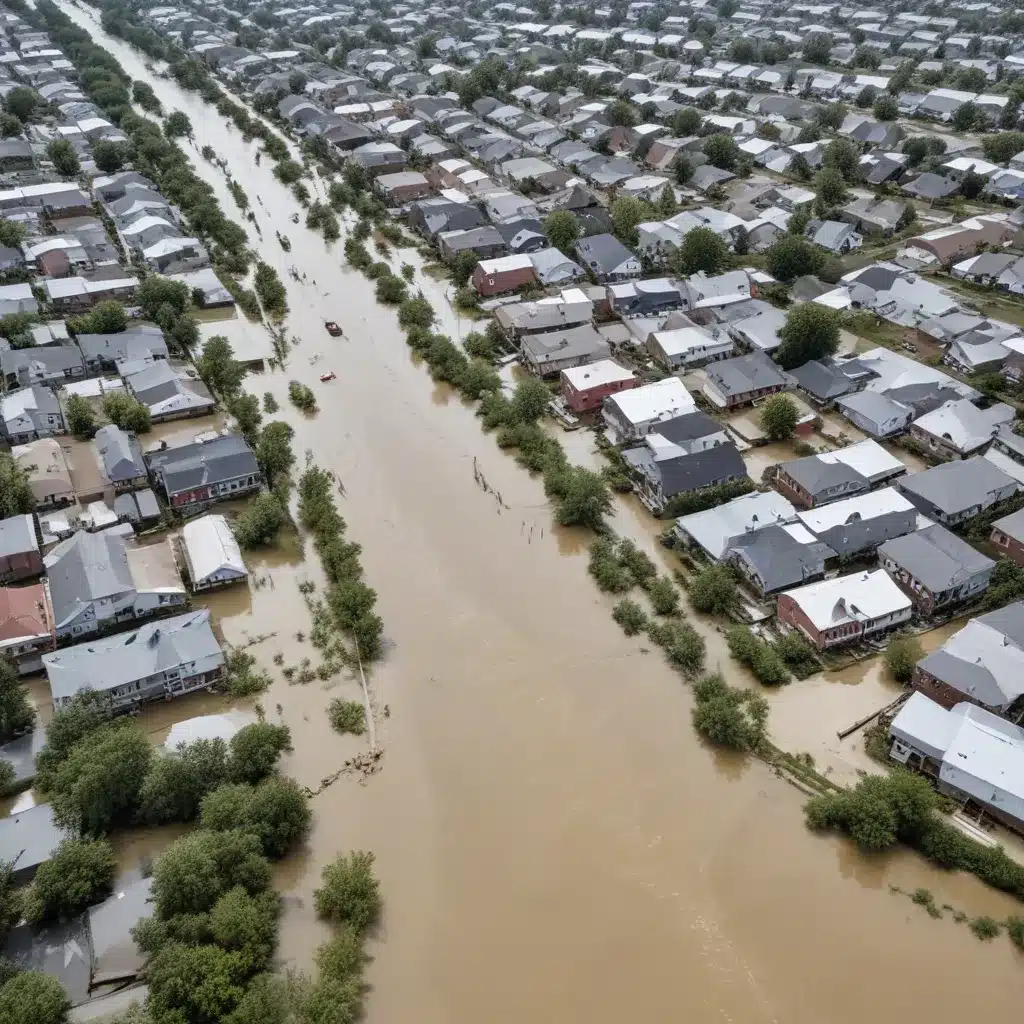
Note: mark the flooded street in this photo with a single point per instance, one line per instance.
(554, 842)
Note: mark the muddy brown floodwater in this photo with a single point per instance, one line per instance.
(554, 842)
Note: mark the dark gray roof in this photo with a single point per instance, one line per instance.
(821, 381)
(688, 428)
(1009, 621)
(931, 186)
(18, 535)
(50, 359)
(937, 558)
(745, 373)
(815, 474)
(114, 953)
(473, 238)
(778, 559)
(687, 473)
(85, 568)
(602, 253)
(120, 454)
(60, 950)
(203, 462)
(955, 487)
(148, 506)
(133, 343)
(20, 753)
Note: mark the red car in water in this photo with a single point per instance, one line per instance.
(332, 329)
(329, 375)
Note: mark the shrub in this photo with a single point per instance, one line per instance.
(640, 565)
(727, 715)
(985, 928)
(347, 716)
(901, 657)
(350, 893)
(713, 590)
(663, 594)
(609, 573)
(683, 645)
(301, 396)
(630, 616)
(78, 874)
(798, 654)
(761, 658)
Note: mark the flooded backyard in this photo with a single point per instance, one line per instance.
(553, 840)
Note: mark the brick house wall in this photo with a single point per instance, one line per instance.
(942, 693)
(792, 614)
(503, 281)
(592, 398)
(1009, 546)
(789, 488)
(20, 566)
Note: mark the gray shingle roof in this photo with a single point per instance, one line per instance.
(956, 487)
(120, 454)
(745, 373)
(85, 568)
(202, 463)
(935, 557)
(778, 559)
(17, 535)
(133, 343)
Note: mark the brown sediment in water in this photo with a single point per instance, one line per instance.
(553, 840)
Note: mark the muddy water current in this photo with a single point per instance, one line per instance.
(553, 840)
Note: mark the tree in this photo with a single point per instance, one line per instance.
(966, 117)
(108, 156)
(97, 787)
(156, 292)
(276, 811)
(907, 217)
(701, 250)
(721, 151)
(885, 108)
(866, 96)
(462, 267)
(842, 155)
(581, 497)
(15, 494)
(79, 873)
(221, 372)
(62, 155)
(33, 996)
(779, 417)
(261, 521)
(791, 257)
(627, 213)
(713, 590)
(274, 450)
(741, 241)
(107, 317)
(16, 713)
(126, 412)
(687, 122)
(21, 102)
(297, 83)
(347, 716)
(78, 718)
(198, 984)
(811, 331)
(727, 715)
(972, 185)
(10, 126)
(683, 169)
(817, 47)
(176, 783)
(530, 401)
(177, 124)
(999, 148)
(831, 188)
(621, 113)
(391, 290)
(197, 869)
(902, 656)
(143, 94)
(866, 57)
(247, 925)
(562, 229)
(255, 750)
(350, 894)
(916, 150)
(12, 233)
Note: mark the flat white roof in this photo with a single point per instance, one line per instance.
(867, 457)
(662, 400)
(714, 528)
(861, 506)
(595, 375)
(684, 339)
(503, 264)
(850, 598)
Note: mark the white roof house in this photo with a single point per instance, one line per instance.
(867, 457)
(634, 412)
(211, 553)
(860, 507)
(963, 425)
(981, 755)
(596, 374)
(686, 345)
(857, 598)
(716, 528)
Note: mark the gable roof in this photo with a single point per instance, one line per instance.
(85, 568)
(935, 557)
(956, 486)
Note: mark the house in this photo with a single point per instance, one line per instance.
(715, 529)
(29, 414)
(952, 242)
(631, 415)
(212, 554)
(935, 568)
(432, 217)
(20, 557)
(846, 609)
(759, 332)
(100, 581)
(607, 258)
(401, 187)
(570, 308)
(194, 476)
(743, 380)
(957, 491)
(41, 364)
(77, 294)
(833, 235)
(829, 476)
(976, 757)
(120, 458)
(664, 469)
(586, 387)
(876, 414)
(687, 347)
(26, 625)
(959, 429)
(114, 954)
(103, 352)
(485, 242)
(778, 556)
(1008, 535)
(379, 157)
(47, 470)
(27, 839)
(555, 268)
(645, 298)
(167, 393)
(504, 274)
(861, 523)
(157, 661)
(982, 663)
(547, 353)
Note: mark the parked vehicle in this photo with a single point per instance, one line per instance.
(333, 329)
